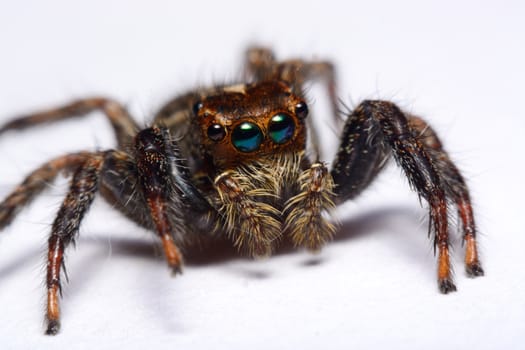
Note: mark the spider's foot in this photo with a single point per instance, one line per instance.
(176, 270)
(446, 286)
(53, 326)
(474, 269)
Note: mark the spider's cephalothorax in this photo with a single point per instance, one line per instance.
(231, 161)
(245, 123)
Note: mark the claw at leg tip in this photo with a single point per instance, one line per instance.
(446, 286)
(53, 326)
(176, 270)
(475, 270)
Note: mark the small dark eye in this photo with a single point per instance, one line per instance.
(301, 110)
(281, 128)
(216, 132)
(196, 107)
(247, 137)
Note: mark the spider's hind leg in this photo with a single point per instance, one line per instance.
(261, 64)
(373, 131)
(123, 124)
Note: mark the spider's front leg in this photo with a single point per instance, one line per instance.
(167, 190)
(86, 168)
(377, 128)
(65, 228)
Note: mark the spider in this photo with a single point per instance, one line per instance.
(231, 161)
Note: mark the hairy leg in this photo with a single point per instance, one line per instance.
(119, 185)
(36, 182)
(249, 221)
(115, 173)
(167, 189)
(261, 65)
(177, 112)
(304, 221)
(374, 128)
(123, 125)
(455, 188)
(64, 230)
(361, 155)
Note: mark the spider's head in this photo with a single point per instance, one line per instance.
(243, 123)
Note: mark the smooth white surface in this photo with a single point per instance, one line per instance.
(460, 64)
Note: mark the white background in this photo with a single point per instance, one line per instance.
(460, 64)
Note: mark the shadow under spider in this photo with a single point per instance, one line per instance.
(217, 251)
(221, 250)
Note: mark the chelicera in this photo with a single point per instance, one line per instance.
(230, 161)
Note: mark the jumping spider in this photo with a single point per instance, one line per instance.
(231, 161)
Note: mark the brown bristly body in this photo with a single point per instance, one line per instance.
(231, 161)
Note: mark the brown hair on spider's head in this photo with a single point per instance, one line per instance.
(245, 122)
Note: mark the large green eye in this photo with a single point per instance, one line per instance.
(247, 137)
(281, 128)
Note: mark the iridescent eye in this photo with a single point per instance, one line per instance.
(216, 132)
(247, 137)
(281, 128)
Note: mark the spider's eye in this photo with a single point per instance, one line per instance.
(247, 137)
(216, 132)
(281, 128)
(196, 107)
(301, 110)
